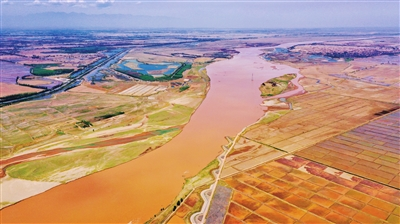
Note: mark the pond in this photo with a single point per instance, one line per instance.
(281, 50)
(165, 68)
(321, 57)
(10, 71)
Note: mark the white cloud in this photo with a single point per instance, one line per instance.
(62, 1)
(36, 2)
(104, 3)
(6, 2)
(73, 3)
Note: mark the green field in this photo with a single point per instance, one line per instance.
(85, 50)
(177, 115)
(92, 160)
(49, 72)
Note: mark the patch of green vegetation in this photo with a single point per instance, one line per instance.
(48, 72)
(42, 170)
(147, 78)
(59, 132)
(17, 137)
(106, 86)
(62, 108)
(83, 124)
(106, 116)
(42, 65)
(348, 59)
(84, 50)
(179, 114)
(183, 88)
(269, 117)
(276, 85)
(5, 203)
(179, 72)
(164, 131)
(204, 176)
(17, 96)
(92, 159)
(84, 111)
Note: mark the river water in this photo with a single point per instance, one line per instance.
(138, 189)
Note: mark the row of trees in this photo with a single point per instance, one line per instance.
(177, 204)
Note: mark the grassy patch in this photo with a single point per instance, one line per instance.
(84, 50)
(183, 88)
(273, 116)
(5, 203)
(59, 132)
(93, 160)
(42, 65)
(268, 118)
(41, 170)
(106, 87)
(276, 86)
(83, 124)
(179, 114)
(48, 72)
(179, 72)
(106, 116)
(17, 96)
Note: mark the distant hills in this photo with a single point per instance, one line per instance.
(62, 20)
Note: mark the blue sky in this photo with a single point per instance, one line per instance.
(229, 14)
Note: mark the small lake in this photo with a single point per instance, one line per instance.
(10, 71)
(166, 68)
(281, 50)
(321, 57)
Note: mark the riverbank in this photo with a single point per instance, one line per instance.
(51, 140)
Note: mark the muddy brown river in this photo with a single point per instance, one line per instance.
(136, 190)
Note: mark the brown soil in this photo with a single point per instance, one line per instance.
(9, 89)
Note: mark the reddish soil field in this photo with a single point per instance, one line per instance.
(10, 89)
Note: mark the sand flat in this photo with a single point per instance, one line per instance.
(13, 190)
